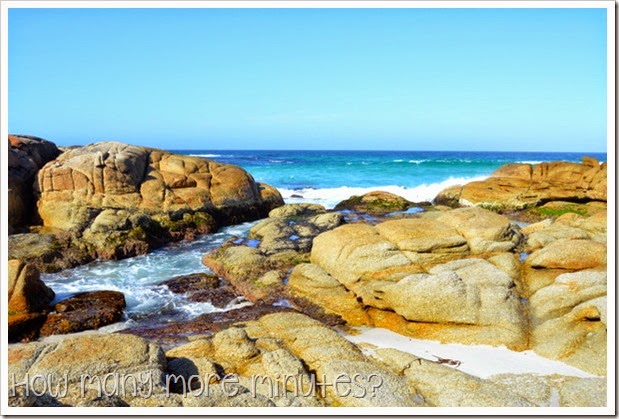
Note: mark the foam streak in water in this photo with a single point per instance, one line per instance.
(138, 278)
(329, 197)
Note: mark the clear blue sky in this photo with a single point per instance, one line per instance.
(399, 79)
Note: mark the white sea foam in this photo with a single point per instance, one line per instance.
(138, 278)
(530, 162)
(281, 161)
(210, 155)
(329, 197)
(206, 155)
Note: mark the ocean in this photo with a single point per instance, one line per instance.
(325, 177)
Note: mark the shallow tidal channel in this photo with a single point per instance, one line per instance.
(138, 278)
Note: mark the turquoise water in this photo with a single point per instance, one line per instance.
(325, 177)
(328, 177)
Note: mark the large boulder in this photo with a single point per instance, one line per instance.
(330, 356)
(51, 252)
(423, 236)
(257, 364)
(297, 355)
(568, 254)
(445, 276)
(312, 282)
(519, 186)
(82, 182)
(247, 269)
(484, 231)
(353, 251)
(26, 156)
(297, 210)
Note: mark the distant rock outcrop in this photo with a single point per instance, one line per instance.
(375, 202)
(26, 156)
(519, 186)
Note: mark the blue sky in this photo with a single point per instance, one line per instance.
(392, 79)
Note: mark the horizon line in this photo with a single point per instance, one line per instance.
(382, 150)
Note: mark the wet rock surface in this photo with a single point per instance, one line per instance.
(169, 335)
(85, 311)
(192, 282)
(203, 288)
(25, 327)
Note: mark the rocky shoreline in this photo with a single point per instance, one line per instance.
(515, 261)
(112, 201)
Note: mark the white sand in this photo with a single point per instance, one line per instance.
(479, 360)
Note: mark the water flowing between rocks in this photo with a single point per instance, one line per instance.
(138, 278)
